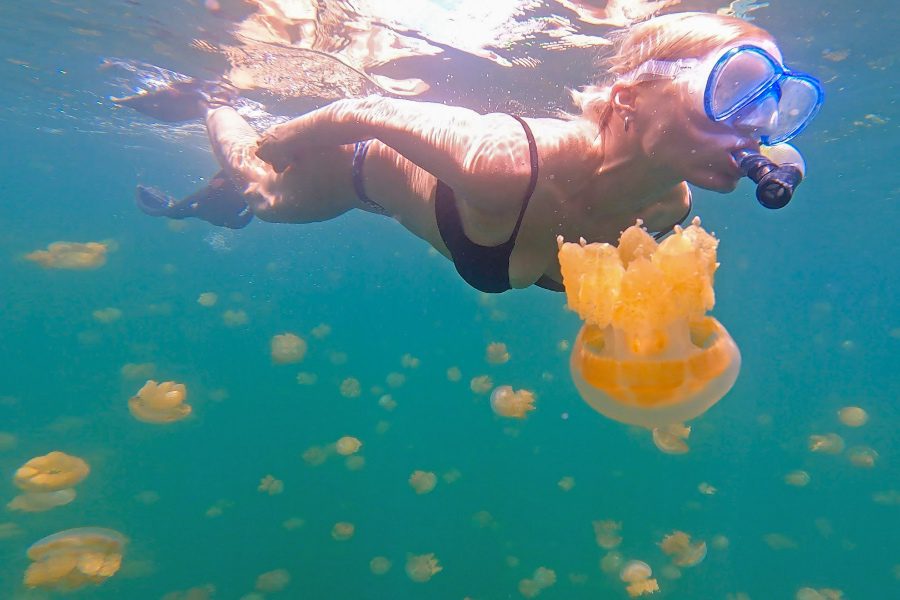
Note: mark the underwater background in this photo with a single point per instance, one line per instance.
(809, 293)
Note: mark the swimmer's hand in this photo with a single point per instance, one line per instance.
(271, 149)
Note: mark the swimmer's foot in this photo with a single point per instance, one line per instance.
(219, 203)
(180, 100)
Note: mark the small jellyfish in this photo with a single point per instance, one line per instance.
(853, 416)
(305, 378)
(779, 541)
(7, 441)
(513, 404)
(797, 478)
(481, 384)
(454, 374)
(670, 438)
(107, 315)
(529, 588)
(343, 531)
(544, 577)
(423, 481)
(566, 483)
(355, 462)
(563, 345)
(273, 581)
(612, 562)
(862, 456)
(287, 348)
(207, 299)
(496, 353)
(420, 568)
(607, 533)
(451, 476)
(348, 445)
(147, 497)
(293, 523)
(321, 331)
(830, 443)
(70, 255)
(683, 552)
(51, 472)
(395, 380)
(270, 485)
(706, 489)
(315, 455)
(9, 531)
(138, 370)
(387, 402)
(160, 403)
(380, 565)
(720, 542)
(235, 318)
(351, 388)
(74, 558)
(337, 358)
(637, 574)
(409, 361)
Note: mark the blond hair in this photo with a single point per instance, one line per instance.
(668, 37)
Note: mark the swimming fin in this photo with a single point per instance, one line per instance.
(220, 203)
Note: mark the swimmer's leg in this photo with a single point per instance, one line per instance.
(220, 203)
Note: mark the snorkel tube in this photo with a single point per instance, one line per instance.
(777, 171)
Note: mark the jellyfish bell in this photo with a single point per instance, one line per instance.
(52, 472)
(160, 403)
(420, 568)
(648, 355)
(635, 570)
(74, 558)
(682, 550)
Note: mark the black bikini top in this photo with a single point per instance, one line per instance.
(486, 268)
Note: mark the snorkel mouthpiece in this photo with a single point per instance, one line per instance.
(775, 183)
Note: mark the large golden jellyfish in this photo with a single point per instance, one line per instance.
(648, 355)
(160, 402)
(74, 558)
(48, 481)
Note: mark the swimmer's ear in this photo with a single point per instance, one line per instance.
(623, 99)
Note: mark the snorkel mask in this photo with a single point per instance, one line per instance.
(750, 88)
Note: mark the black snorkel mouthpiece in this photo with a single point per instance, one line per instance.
(775, 184)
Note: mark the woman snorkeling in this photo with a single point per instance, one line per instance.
(689, 95)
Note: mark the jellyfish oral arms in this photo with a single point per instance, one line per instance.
(648, 355)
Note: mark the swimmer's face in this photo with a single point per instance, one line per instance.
(677, 134)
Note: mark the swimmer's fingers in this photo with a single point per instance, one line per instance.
(269, 150)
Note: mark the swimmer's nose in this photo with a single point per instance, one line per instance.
(758, 119)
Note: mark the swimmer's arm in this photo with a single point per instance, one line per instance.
(476, 155)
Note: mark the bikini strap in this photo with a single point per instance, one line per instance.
(532, 184)
(360, 149)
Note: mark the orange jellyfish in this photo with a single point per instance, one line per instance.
(380, 565)
(70, 255)
(343, 531)
(496, 353)
(287, 348)
(41, 501)
(684, 553)
(160, 402)
(648, 355)
(273, 581)
(420, 568)
(348, 445)
(422, 481)
(73, 558)
(513, 404)
(51, 472)
(637, 574)
(607, 534)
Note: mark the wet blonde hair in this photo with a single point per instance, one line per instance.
(669, 37)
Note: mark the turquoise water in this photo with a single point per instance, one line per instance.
(809, 293)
